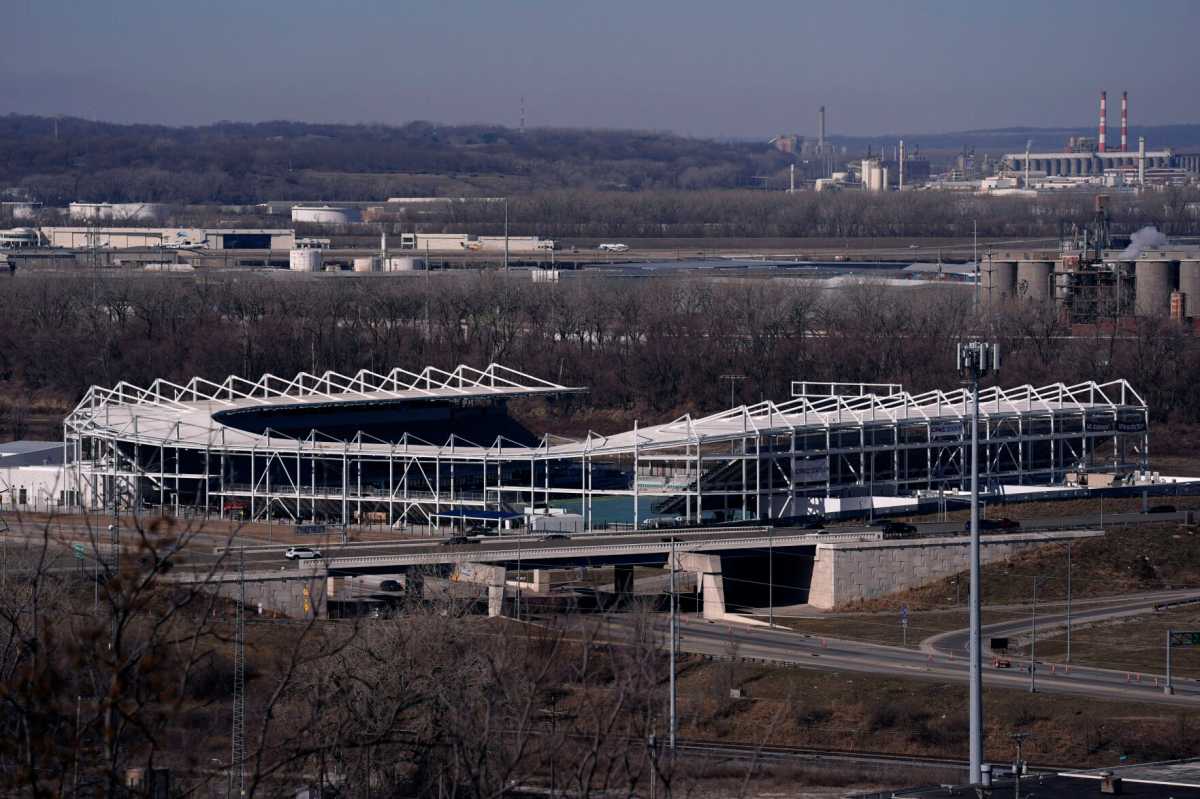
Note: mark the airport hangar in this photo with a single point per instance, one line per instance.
(439, 447)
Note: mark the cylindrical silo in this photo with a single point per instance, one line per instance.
(371, 264)
(404, 264)
(999, 281)
(307, 260)
(1033, 280)
(1153, 283)
(1189, 284)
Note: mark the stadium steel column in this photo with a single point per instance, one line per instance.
(976, 358)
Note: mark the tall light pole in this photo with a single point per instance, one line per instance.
(976, 358)
(975, 260)
(674, 632)
(505, 234)
(1068, 602)
(733, 381)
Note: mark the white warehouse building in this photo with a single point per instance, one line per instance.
(120, 238)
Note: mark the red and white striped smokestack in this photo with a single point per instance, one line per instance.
(1103, 118)
(1124, 122)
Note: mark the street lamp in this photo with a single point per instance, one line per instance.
(975, 359)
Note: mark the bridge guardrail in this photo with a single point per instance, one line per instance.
(469, 554)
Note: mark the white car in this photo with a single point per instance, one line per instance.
(302, 553)
(613, 247)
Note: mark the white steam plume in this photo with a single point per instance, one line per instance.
(1146, 238)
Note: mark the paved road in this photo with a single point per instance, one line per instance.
(956, 642)
(831, 654)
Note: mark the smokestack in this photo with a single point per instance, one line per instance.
(1124, 122)
(901, 159)
(1141, 160)
(1103, 118)
(821, 128)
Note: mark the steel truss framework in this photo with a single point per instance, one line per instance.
(167, 445)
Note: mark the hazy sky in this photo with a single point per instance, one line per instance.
(698, 67)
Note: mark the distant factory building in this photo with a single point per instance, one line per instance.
(1077, 164)
(119, 238)
(1188, 162)
(787, 143)
(1087, 156)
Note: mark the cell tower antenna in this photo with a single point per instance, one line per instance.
(522, 113)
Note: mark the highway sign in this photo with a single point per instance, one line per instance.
(1185, 638)
(79, 551)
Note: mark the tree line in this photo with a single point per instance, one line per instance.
(648, 349)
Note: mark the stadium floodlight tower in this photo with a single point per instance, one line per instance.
(975, 359)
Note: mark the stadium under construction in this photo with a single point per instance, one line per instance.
(440, 447)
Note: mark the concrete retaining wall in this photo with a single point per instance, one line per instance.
(297, 594)
(844, 572)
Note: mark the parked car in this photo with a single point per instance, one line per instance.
(556, 537)
(458, 540)
(302, 553)
(993, 524)
(1002, 663)
(1161, 509)
(391, 585)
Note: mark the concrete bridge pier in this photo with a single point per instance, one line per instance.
(622, 584)
(485, 574)
(710, 579)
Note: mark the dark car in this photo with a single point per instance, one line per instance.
(993, 524)
(457, 540)
(480, 529)
(556, 537)
(391, 585)
(814, 523)
(1161, 509)
(898, 529)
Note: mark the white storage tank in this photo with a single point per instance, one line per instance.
(371, 264)
(1033, 280)
(404, 264)
(999, 281)
(1189, 284)
(325, 214)
(138, 212)
(1153, 282)
(307, 260)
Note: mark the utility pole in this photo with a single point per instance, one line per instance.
(975, 359)
(1019, 766)
(505, 234)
